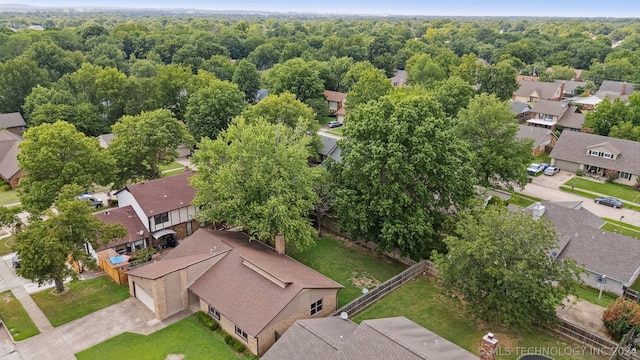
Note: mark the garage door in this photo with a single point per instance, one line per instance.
(144, 297)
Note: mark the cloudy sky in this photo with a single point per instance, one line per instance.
(584, 8)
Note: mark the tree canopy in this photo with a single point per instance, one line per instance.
(499, 262)
(256, 175)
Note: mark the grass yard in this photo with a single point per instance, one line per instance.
(186, 337)
(324, 120)
(349, 265)
(15, 317)
(336, 131)
(173, 172)
(520, 201)
(542, 158)
(591, 295)
(6, 245)
(171, 166)
(422, 302)
(8, 197)
(619, 191)
(81, 298)
(621, 230)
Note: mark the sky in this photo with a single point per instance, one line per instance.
(555, 8)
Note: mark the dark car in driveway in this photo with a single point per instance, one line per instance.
(609, 201)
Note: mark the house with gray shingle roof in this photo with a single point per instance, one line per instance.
(533, 91)
(618, 88)
(334, 338)
(252, 291)
(9, 168)
(521, 110)
(572, 119)
(598, 155)
(330, 148)
(547, 113)
(14, 122)
(610, 260)
(542, 138)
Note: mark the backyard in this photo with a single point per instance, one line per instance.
(422, 301)
(6, 245)
(81, 298)
(15, 317)
(349, 265)
(186, 337)
(8, 197)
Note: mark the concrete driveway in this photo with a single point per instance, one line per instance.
(548, 188)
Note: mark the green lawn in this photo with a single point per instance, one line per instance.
(15, 317)
(81, 298)
(591, 295)
(350, 266)
(173, 172)
(619, 191)
(422, 302)
(520, 201)
(8, 197)
(592, 196)
(186, 337)
(621, 230)
(6, 245)
(324, 120)
(171, 166)
(542, 158)
(336, 131)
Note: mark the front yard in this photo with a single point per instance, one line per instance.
(81, 298)
(15, 317)
(421, 301)
(186, 337)
(8, 197)
(619, 191)
(349, 265)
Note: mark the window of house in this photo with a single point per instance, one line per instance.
(540, 116)
(624, 175)
(135, 246)
(242, 334)
(162, 218)
(316, 307)
(215, 313)
(549, 117)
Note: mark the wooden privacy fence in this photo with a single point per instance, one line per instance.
(630, 294)
(361, 303)
(115, 272)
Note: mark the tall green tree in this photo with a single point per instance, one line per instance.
(499, 79)
(403, 170)
(211, 108)
(144, 142)
(499, 262)
(422, 70)
(46, 243)
(247, 78)
(54, 155)
(297, 77)
(17, 78)
(371, 85)
(256, 176)
(489, 127)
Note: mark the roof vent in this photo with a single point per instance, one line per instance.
(538, 210)
(344, 316)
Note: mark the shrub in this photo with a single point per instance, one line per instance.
(237, 346)
(579, 172)
(620, 316)
(207, 321)
(5, 187)
(611, 175)
(228, 338)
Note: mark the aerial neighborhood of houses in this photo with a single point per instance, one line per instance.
(175, 261)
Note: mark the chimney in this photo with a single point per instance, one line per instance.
(561, 90)
(280, 244)
(489, 347)
(538, 210)
(624, 88)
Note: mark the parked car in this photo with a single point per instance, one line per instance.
(15, 260)
(94, 202)
(535, 169)
(334, 124)
(609, 201)
(551, 170)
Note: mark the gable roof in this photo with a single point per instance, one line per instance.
(252, 283)
(11, 120)
(162, 195)
(330, 147)
(539, 135)
(127, 217)
(555, 108)
(9, 151)
(335, 96)
(544, 90)
(616, 87)
(337, 339)
(518, 107)
(399, 78)
(572, 146)
(572, 118)
(106, 139)
(582, 240)
(569, 85)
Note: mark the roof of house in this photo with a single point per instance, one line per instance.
(162, 195)
(618, 87)
(252, 283)
(335, 96)
(572, 146)
(399, 78)
(159, 269)
(572, 118)
(611, 95)
(11, 120)
(518, 107)
(582, 240)
(330, 147)
(555, 108)
(539, 135)
(544, 90)
(9, 151)
(127, 217)
(106, 139)
(569, 85)
(333, 338)
(586, 100)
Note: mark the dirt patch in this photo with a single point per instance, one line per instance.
(583, 314)
(174, 357)
(6, 297)
(363, 280)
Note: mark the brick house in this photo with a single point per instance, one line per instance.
(253, 292)
(9, 168)
(335, 100)
(533, 91)
(13, 122)
(137, 237)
